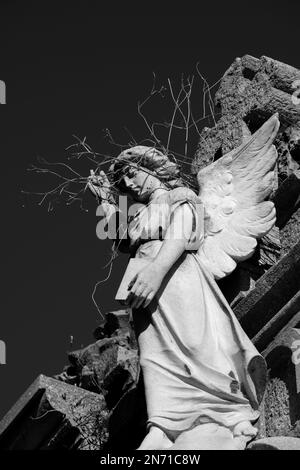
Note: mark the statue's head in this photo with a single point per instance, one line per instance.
(140, 170)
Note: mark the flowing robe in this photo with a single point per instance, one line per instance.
(198, 364)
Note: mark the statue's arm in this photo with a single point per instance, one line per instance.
(147, 282)
(176, 238)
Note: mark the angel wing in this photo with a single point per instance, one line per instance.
(234, 190)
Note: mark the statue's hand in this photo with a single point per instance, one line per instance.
(99, 184)
(145, 285)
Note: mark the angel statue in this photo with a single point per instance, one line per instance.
(203, 377)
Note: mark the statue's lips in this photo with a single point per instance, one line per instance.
(134, 190)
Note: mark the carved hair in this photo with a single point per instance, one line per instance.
(149, 159)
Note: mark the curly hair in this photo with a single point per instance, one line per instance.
(149, 159)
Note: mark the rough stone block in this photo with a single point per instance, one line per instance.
(277, 420)
(282, 398)
(109, 366)
(55, 415)
(275, 443)
(272, 291)
(268, 333)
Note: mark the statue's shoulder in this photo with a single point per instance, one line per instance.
(182, 194)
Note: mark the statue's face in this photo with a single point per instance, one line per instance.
(139, 183)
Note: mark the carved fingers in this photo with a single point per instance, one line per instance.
(99, 184)
(144, 286)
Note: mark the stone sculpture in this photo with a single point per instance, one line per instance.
(203, 377)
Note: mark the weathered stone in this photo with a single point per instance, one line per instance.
(276, 408)
(282, 76)
(279, 321)
(250, 91)
(108, 366)
(272, 291)
(119, 319)
(283, 359)
(290, 234)
(55, 415)
(117, 323)
(288, 338)
(259, 84)
(275, 443)
(246, 99)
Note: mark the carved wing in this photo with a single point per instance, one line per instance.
(234, 190)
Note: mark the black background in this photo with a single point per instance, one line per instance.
(76, 69)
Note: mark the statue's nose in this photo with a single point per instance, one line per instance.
(128, 182)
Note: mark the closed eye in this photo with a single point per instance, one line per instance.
(132, 172)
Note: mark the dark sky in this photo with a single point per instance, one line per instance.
(77, 70)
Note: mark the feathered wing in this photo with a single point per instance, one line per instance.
(234, 190)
